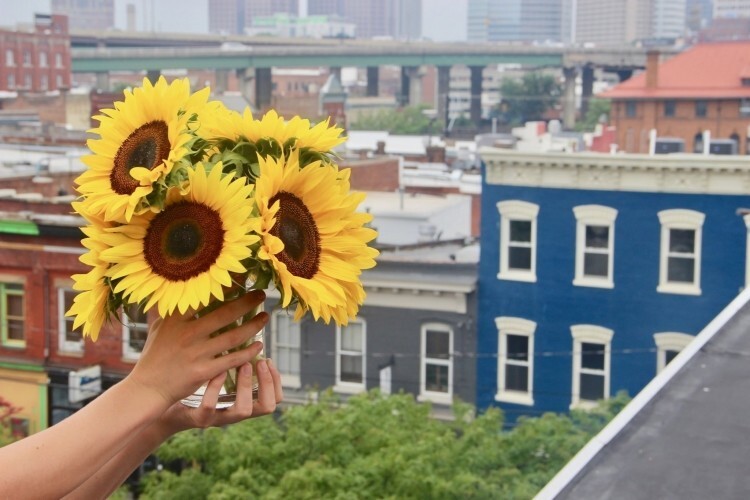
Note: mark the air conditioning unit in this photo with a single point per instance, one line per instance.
(723, 147)
(667, 145)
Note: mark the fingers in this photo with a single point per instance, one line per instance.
(229, 312)
(237, 336)
(243, 405)
(276, 376)
(266, 394)
(236, 358)
(211, 396)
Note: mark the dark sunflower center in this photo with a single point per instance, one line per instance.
(183, 241)
(147, 146)
(296, 227)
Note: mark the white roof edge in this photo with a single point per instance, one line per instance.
(571, 470)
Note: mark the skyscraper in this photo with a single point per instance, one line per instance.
(86, 14)
(264, 8)
(515, 20)
(226, 16)
(731, 8)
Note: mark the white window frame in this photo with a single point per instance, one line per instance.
(591, 334)
(680, 219)
(5, 341)
(594, 215)
(64, 345)
(669, 341)
(287, 379)
(42, 59)
(508, 325)
(346, 386)
(128, 353)
(58, 60)
(433, 396)
(10, 58)
(517, 210)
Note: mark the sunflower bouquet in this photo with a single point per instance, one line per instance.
(188, 204)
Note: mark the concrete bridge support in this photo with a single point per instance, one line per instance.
(246, 80)
(587, 88)
(263, 89)
(153, 75)
(411, 86)
(102, 81)
(569, 98)
(475, 95)
(443, 93)
(373, 76)
(221, 81)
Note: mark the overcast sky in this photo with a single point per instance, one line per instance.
(442, 20)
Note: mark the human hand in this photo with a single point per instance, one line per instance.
(180, 354)
(180, 417)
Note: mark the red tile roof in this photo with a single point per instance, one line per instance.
(705, 71)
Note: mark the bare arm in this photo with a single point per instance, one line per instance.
(53, 462)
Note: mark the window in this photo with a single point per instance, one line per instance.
(745, 107)
(436, 354)
(134, 331)
(70, 340)
(591, 364)
(701, 109)
(11, 81)
(350, 357)
(59, 81)
(517, 240)
(680, 260)
(58, 61)
(10, 59)
(43, 82)
(698, 143)
(12, 315)
(26, 58)
(27, 80)
(669, 108)
(515, 360)
(595, 245)
(43, 59)
(285, 348)
(668, 346)
(630, 109)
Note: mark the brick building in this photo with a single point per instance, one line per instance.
(36, 60)
(706, 88)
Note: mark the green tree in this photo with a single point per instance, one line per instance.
(408, 121)
(598, 109)
(373, 446)
(529, 98)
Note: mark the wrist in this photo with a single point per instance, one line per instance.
(148, 396)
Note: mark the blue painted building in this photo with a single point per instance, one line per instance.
(596, 270)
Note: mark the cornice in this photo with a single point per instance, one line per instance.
(675, 173)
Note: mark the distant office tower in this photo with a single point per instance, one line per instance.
(226, 16)
(698, 14)
(400, 19)
(265, 8)
(731, 8)
(86, 14)
(515, 20)
(616, 22)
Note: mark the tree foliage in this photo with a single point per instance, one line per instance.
(373, 447)
(407, 121)
(529, 98)
(598, 112)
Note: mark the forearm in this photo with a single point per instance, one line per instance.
(40, 466)
(108, 478)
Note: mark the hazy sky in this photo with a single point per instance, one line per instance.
(442, 20)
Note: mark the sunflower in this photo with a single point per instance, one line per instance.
(91, 305)
(140, 140)
(180, 257)
(313, 237)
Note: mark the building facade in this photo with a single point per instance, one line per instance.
(37, 60)
(515, 20)
(597, 269)
(697, 108)
(86, 14)
(226, 16)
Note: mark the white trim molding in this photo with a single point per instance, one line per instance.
(425, 394)
(680, 219)
(517, 211)
(600, 216)
(589, 334)
(508, 325)
(345, 386)
(669, 341)
(65, 346)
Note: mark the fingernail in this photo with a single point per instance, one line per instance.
(270, 363)
(263, 316)
(262, 366)
(246, 370)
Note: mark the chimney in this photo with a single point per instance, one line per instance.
(380, 150)
(652, 69)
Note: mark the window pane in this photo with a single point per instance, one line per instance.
(71, 335)
(15, 305)
(438, 344)
(283, 360)
(592, 387)
(516, 378)
(351, 337)
(294, 333)
(519, 258)
(518, 347)
(15, 330)
(682, 240)
(669, 356)
(681, 269)
(282, 324)
(293, 362)
(520, 230)
(596, 264)
(436, 378)
(597, 236)
(351, 368)
(592, 356)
